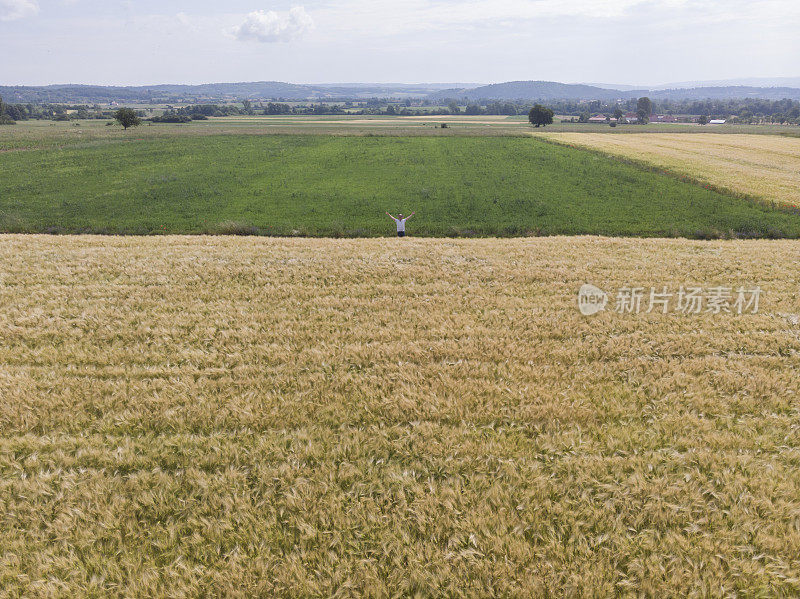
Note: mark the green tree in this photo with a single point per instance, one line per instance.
(4, 118)
(618, 114)
(273, 108)
(15, 112)
(454, 108)
(644, 108)
(540, 116)
(127, 118)
(247, 107)
(703, 120)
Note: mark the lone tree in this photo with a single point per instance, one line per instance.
(127, 118)
(539, 116)
(703, 120)
(644, 108)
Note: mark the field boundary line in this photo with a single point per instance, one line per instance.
(671, 172)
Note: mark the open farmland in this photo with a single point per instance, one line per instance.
(766, 167)
(316, 185)
(47, 134)
(28, 135)
(189, 416)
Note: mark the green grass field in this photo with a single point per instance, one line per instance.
(49, 134)
(341, 186)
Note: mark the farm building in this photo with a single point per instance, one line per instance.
(663, 118)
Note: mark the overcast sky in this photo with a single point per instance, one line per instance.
(316, 41)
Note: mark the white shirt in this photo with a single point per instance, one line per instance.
(401, 224)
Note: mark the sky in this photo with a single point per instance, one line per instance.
(637, 42)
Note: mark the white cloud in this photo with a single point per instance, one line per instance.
(390, 17)
(271, 26)
(407, 19)
(657, 41)
(17, 9)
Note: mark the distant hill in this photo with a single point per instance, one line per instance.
(210, 92)
(535, 90)
(550, 90)
(746, 81)
(793, 82)
(728, 92)
(275, 90)
(83, 94)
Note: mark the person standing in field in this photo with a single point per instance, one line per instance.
(401, 223)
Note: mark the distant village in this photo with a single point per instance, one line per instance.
(632, 117)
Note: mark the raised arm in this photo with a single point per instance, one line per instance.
(410, 215)
(390, 216)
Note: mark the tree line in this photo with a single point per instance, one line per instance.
(748, 110)
(53, 112)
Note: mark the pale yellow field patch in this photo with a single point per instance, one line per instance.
(765, 166)
(254, 417)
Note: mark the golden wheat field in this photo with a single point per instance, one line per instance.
(245, 417)
(764, 166)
